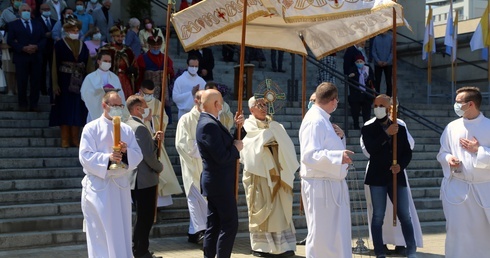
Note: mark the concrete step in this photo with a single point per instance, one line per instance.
(39, 184)
(39, 162)
(38, 152)
(40, 196)
(59, 222)
(33, 132)
(41, 173)
(33, 210)
(30, 142)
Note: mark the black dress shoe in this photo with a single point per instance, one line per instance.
(302, 242)
(260, 254)
(196, 238)
(286, 254)
(401, 250)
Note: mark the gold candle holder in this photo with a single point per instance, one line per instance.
(116, 121)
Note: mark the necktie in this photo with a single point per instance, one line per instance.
(28, 27)
(48, 24)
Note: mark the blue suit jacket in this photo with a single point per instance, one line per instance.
(219, 156)
(18, 37)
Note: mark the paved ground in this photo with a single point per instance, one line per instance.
(179, 248)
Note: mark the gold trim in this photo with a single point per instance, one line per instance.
(346, 14)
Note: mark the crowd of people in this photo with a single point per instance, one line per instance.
(98, 72)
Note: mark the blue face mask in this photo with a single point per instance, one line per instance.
(155, 51)
(360, 65)
(47, 13)
(17, 5)
(79, 8)
(310, 104)
(26, 15)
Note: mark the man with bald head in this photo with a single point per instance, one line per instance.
(219, 152)
(377, 137)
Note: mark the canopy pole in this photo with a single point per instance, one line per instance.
(240, 87)
(394, 113)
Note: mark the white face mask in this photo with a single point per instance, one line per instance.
(457, 109)
(97, 36)
(192, 70)
(105, 66)
(115, 111)
(310, 104)
(380, 112)
(146, 113)
(73, 36)
(148, 97)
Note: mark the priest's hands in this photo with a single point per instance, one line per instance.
(346, 158)
(469, 145)
(239, 119)
(454, 162)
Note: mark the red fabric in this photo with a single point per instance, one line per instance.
(184, 4)
(158, 60)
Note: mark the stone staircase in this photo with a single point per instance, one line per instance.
(40, 182)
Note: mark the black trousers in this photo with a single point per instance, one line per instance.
(222, 226)
(28, 74)
(358, 105)
(145, 201)
(280, 57)
(388, 71)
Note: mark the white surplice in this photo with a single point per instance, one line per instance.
(106, 194)
(465, 194)
(92, 92)
(268, 185)
(324, 189)
(182, 92)
(191, 166)
(393, 235)
(169, 184)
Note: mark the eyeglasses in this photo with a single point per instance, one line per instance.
(260, 106)
(115, 105)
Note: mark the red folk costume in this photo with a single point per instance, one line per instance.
(123, 61)
(150, 65)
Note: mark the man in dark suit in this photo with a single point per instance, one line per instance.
(219, 153)
(377, 137)
(206, 62)
(47, 23)
(144, 179)
(27, 39)
(103, 20)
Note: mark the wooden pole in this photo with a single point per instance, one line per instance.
(240, 86)
(394, 92)
(303, 112)
(164, 88)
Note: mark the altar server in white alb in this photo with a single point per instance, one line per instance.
(191, 165)
(186, 85)
(465, 189)
(270, 162)
(97, 83)
(324, 162)
(106, 194)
